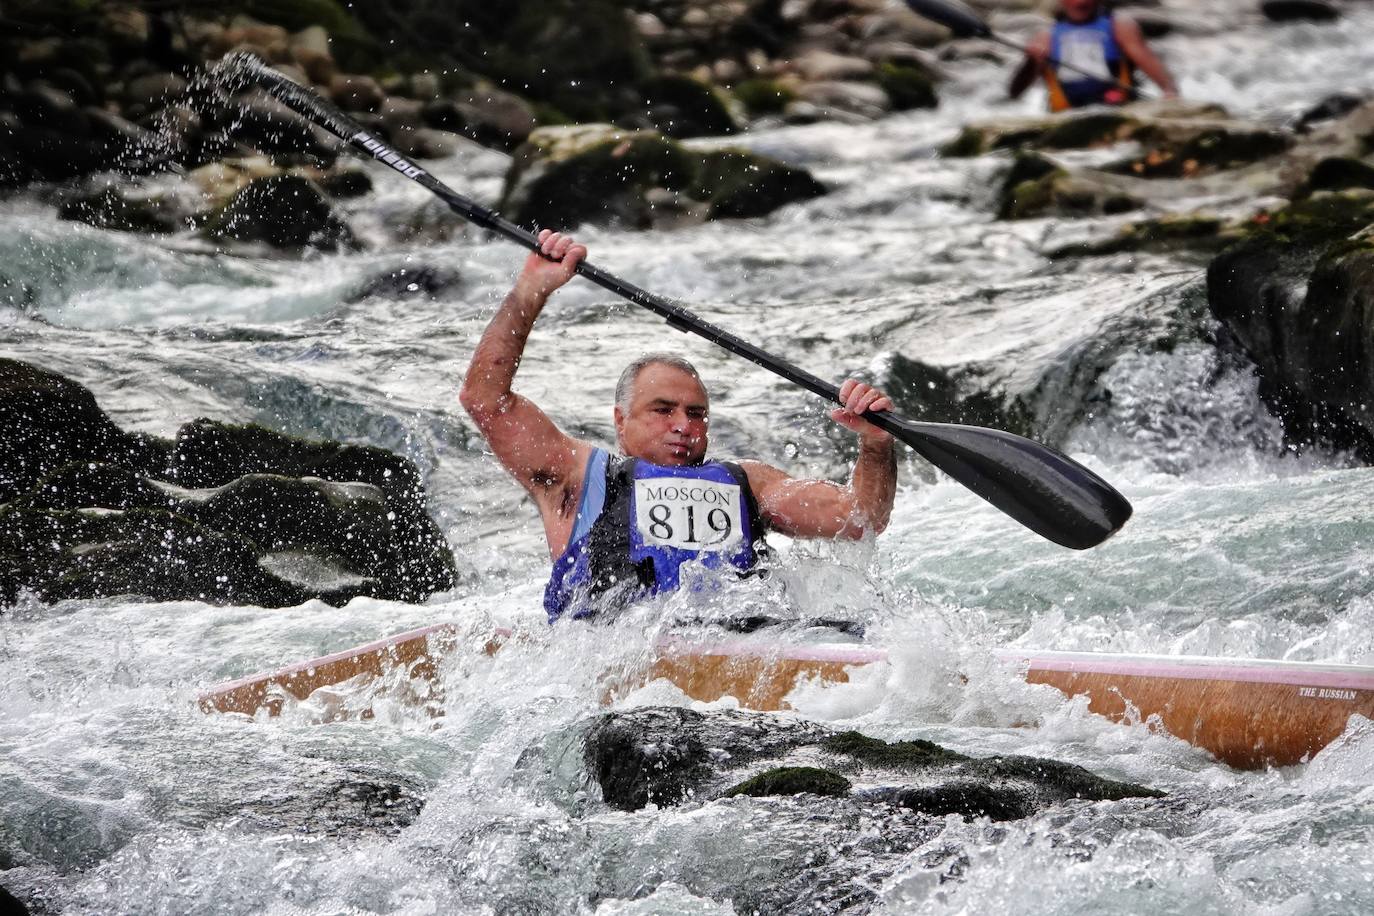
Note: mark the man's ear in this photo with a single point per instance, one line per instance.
(619, 422)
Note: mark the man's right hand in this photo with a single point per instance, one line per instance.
(553, 265)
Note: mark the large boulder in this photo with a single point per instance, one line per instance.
(600, 174)
(1298, 297)
(285, 211)
(227, 514)
(668, 756)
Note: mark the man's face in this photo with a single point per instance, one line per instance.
(1079, 10)
(667, 417)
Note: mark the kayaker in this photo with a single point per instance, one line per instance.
(626, 524)
(1087, 35)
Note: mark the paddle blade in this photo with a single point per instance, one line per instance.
(1049, 493)
(953, 15)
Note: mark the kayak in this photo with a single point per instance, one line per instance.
(1249, 714)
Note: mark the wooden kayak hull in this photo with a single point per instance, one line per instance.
(1250, 714)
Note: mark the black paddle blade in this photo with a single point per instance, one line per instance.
(953, 15)
(1049, 493)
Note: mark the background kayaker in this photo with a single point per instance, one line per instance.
(1089, 36)
(626, 524)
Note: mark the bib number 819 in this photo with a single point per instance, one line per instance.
(718, 524)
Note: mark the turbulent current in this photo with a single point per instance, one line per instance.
(117, 795)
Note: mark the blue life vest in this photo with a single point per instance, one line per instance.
(1090, 46)
(638, 523)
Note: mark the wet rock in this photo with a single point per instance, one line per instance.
(493, 117)
(1298, 297)
(1186, 232)
(51, 421)
(1062, 193)
(346, 183)
(667, 756)
(1085, 128)
(866, 100)
(907, 86)
(12, 905)
(679, 106)
(1338, 173)
(421, 282)
(226, 515)
(284, 211)
(1299, 10)
(154, 90)
(1331, 108)
(210, 455)
(952, 396)
(592, 174)
(353, 92)
(739, 184)
(117, 208)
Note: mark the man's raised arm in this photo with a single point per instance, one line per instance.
(535, 451)
(821, 509)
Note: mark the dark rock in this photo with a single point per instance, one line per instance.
(114, 208)
(51, 108)
(286, 211)
(564, 178)
(1338, 173)
(421, 282)
(943, 396)
(1027, 167)
(209, 454)
(739, 184)
(353, 92)
(1168, 233)
(763, 96)
(1299, 10)
(494, 117)
(155, 90)
(679, 106)
(1062, 193)
(1331, 108)
(346, 183)
(668, 756)
(1302, 307)
(51, 421)
(11, 905)
(251, 517)
(908, 86)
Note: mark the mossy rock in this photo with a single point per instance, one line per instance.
(1060, 193)
(792, 781)
(1188, 232)
(1023, 180)
(897, 755)
(679, 106)
(763, 96)
(1319, 220)
(907, 86)
(1088, 130)
(1073, 130)
(740, 184)
(592, 174)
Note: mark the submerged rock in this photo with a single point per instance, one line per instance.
(666, 756)
(226, 514)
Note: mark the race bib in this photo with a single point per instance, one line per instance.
(1086, 53)
(689, 514)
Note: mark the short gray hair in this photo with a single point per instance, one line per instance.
(631, 373)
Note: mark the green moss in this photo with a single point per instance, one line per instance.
(1166, 234)
(762, 96)
(792, 781)
(1321, 219)
(1030, 199)
(907, 86)
(899, 755)
(970, 142)
(680, 106)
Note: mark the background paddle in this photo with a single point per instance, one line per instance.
(965, 23)
(1047, 492)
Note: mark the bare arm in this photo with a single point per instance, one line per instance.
(822, 509)
(1132, 42)
(1036, 53)
(535, 451)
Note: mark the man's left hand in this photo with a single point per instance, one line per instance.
(860, 398)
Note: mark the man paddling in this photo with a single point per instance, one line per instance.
(1102, 52)
(619, 527)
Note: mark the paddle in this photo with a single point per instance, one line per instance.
(1052, 495)
(965, 23)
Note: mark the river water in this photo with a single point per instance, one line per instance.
(118, 796)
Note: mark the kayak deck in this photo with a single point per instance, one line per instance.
(1248, 713)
